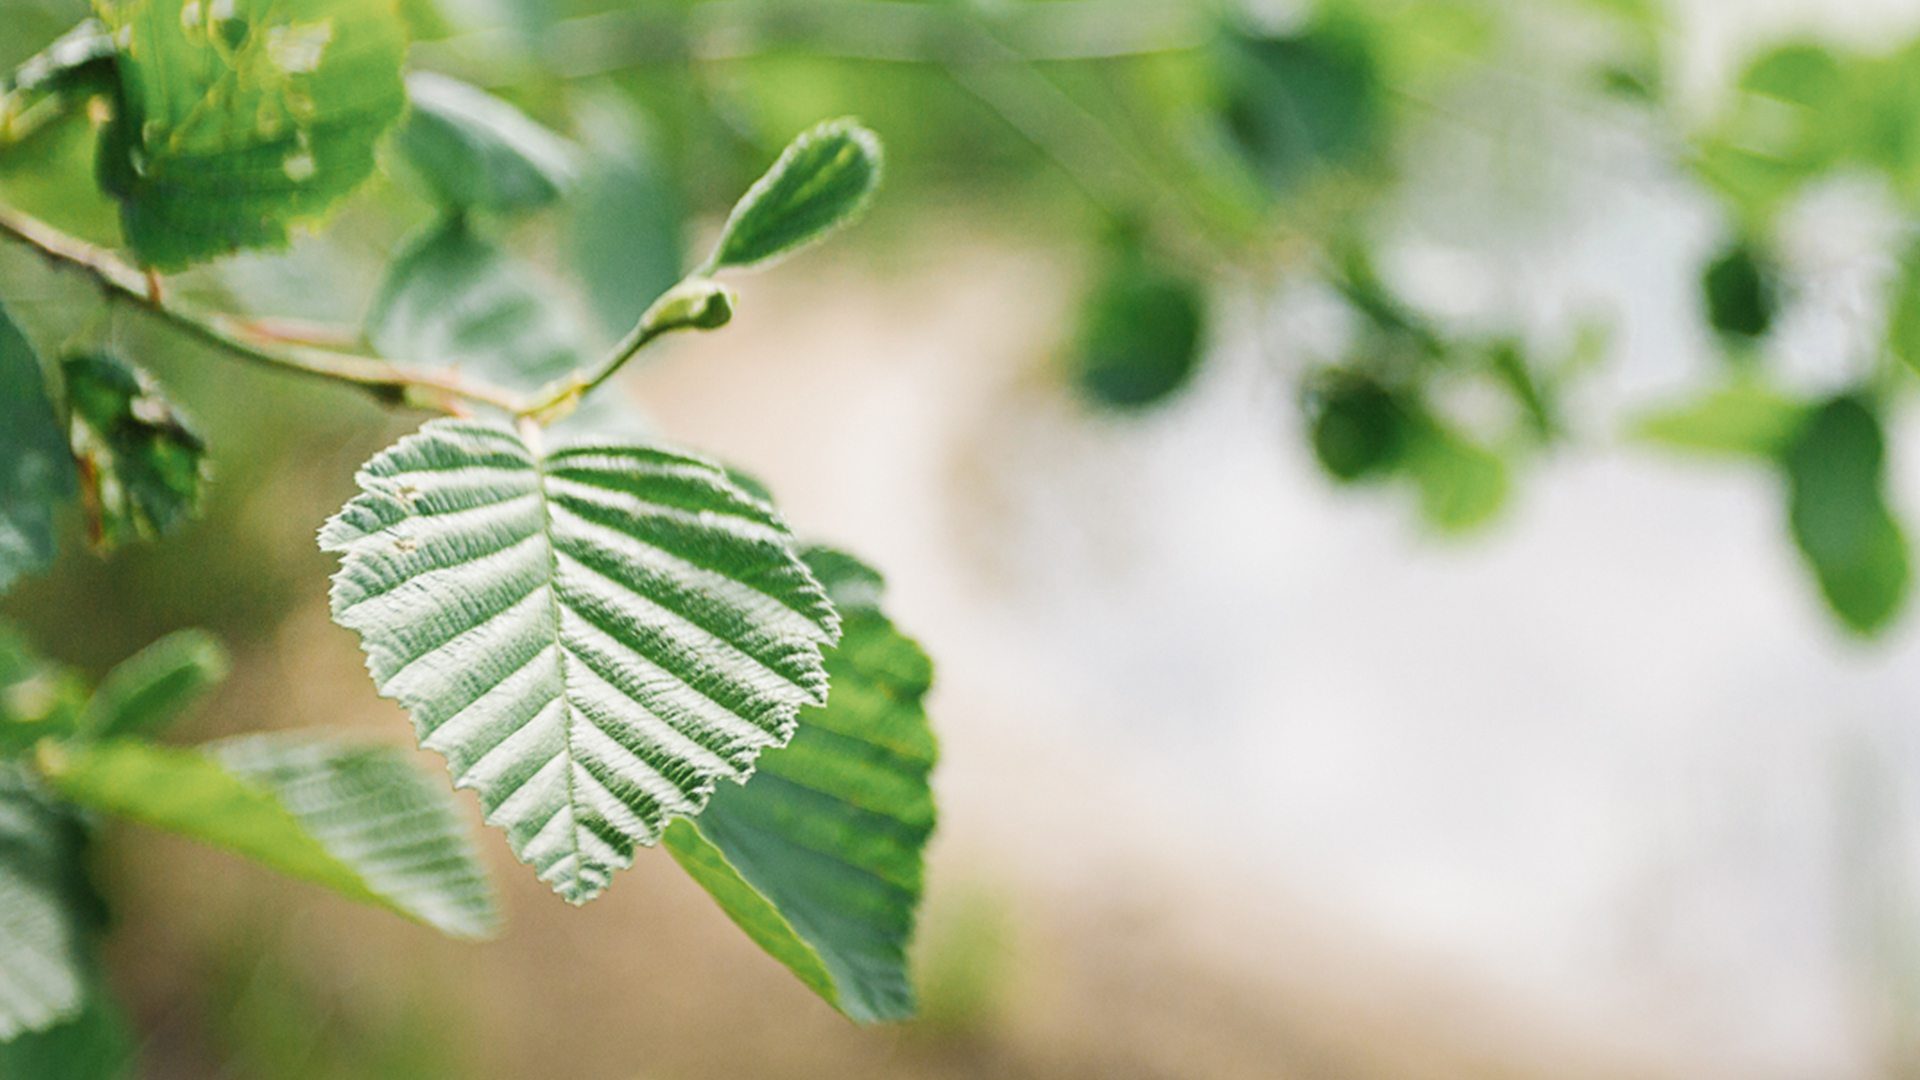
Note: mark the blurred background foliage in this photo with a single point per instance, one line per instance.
(1191, 154)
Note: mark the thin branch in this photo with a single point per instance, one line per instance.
(697, 303)
(390, 384)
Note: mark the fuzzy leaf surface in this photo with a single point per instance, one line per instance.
(819, 858)
(357, 819)
(239, 118)
(593, 636)
(46, 910)
(823, 180)
(36, 468)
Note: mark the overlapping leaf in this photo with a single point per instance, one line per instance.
(819, 857)
(593, 637)
(480, 153)
(36, 468)
(238, 118)
(143, 467)
(47, 913)
(822, 181)
(357, 819)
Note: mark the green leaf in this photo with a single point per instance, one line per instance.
(821, 182)
(240, 118)
(36, 468)
(359, 820)
(1299, 103)
(454, 299)
(82, 59)
(593, 636)
(95, 1045)
(1139, 335)
(480, 153)
(1462, 485)
(1838, 513)
(1741, 293)
(1360, 428)
(624, 220)
(47, 913)
(38, 698)
(1903, 329)
(150, 689)
(1744, 418)
(819, 857)
(142, 467)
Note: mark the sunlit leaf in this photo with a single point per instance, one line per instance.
(142, 466)
(150, 689)
(1744, 418)
(819, 856)
(822, 181)
(593, 636)
(1139, 334)
(478, 152)
(1838, 513)
(36, 467)
(239, 118)
(357, 819)
(47, 912)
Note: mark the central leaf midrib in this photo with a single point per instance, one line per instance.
(539, 463)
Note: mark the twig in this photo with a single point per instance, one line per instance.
(439, 390)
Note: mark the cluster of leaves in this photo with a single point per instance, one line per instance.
(605, 637)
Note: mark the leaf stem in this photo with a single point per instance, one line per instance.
(697, 303)
(390, 384)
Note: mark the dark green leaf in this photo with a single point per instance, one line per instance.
(357, 819)
(95, 1045)
(1741, 292)
(47, 913)
(142, 467)
(821, 182)
(819, 856)
(1745, 418)
(1360, 428)
(623, 230)
(150, 689)
(239, 118)
(454, 299)
(478, 152)
(593, 636)
(1139, 335)
(1838, 513)
(1296, 104)
(36, 467)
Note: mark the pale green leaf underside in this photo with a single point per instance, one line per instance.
(357, 819)
(823, 180)
(819, 858)
(42, 965)
(593, 637)
(240, 117)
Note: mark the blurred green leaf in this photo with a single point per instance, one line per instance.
(1510, 365)
(1903, 328)
(1462, 484)
(1297, 103)
(1839, 517)
(36, 467)
(238, 118)
(454, 299)
(142, 468)
(82, 59)
(479, 153)
(822, 181)
(1744, 418)
(819, 856)
(148, 690)
(359, 820)
(1140, 333)
(38, 698)
(624, 218)
(593, 636)
(1742, 293)
(1360, 428)
(95, 1045)
(47, 913)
